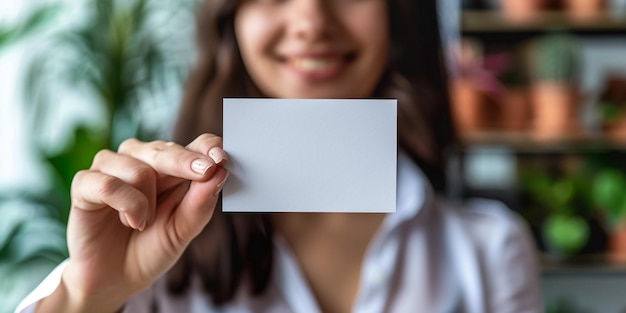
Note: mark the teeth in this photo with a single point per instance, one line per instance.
(312, 64)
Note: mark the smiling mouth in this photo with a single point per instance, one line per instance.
(313, 65)
(319, 68)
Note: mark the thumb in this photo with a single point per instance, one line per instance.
(196, 208)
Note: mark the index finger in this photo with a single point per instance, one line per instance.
(170, 159)
(211, 145)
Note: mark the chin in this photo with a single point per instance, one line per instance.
(320, 93)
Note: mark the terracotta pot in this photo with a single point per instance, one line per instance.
(616, 131)
(519, 11)
(555, 110)
(617, 243)
(514, 110)
(468, 106)
(584, 10)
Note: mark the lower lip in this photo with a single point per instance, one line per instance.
(326, 74)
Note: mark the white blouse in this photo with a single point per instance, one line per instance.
(430, 256)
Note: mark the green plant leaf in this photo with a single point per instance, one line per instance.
(36, 20)
(39, 237)
(15, 213)
(563, 192)
(20, 279)
(610, 112)
(565, 234)
(32, 241)
(608, 192)
(557, 58)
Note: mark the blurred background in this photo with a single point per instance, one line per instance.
(538, 90)
(539, 96)
(76, 76)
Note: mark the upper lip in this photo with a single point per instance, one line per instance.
(315, 54)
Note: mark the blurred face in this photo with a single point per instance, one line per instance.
(314, 48)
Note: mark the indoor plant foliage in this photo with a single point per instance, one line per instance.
(609, 198)
(117, 64)
(32, 240)
(10, 34)
(116, 60)
(560, 210)
(611, 106)
(556, 64)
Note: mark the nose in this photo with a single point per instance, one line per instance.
(311, 19)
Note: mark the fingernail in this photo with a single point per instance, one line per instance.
(143, 225)
(221, 185)
(217, 154)
(200, 166)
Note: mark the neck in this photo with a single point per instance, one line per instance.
(305, 229)
(330, 248)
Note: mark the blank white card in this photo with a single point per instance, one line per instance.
(301, 155)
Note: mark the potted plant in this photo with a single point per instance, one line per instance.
(611, 105)
(555, 69)
(511, 92)
(585, 10)
(565, 230)
(469, 102)
(559, 209)
(609, 197)
(522, 11)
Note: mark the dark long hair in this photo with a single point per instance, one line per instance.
(238, 247)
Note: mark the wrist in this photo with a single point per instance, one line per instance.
(69, 299)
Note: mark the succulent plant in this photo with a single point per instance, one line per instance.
(557, 58)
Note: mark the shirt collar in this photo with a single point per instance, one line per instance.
(413, 192)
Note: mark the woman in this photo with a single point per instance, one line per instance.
(137, 235)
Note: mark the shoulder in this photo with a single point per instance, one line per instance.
(499, 243)
(487, 225)
(482, 217)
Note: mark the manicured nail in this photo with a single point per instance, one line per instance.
(218, 155)
(221, 185)
(200, 166)
(142, 226)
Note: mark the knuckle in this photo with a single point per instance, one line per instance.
(127, 144)
(158, 145)
(108, 187)
(142, 203)
(205, 137)
(77, 180)
(141, 173)
(101, 156)
(209, 140)
(79, 176)
(204, 142)
(183, 161)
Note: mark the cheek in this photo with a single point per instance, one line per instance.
(369, 25)
(252, 32)
(371, 30)
(376, 36)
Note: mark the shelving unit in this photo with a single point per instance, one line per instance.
(526, 143)
(485, 23)
(498, 34)
(593, 280)
(586, 265)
